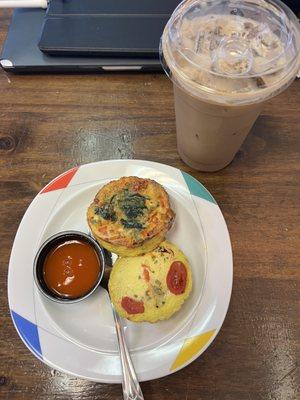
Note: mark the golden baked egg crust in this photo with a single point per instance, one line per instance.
(130, 216)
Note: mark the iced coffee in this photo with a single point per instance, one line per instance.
(226, 58)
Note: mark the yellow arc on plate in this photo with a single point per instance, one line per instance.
(190, 348)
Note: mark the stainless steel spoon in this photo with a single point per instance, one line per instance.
(130, 383)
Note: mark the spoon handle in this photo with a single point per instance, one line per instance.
(130, 383)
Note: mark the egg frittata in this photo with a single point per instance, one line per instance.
(130, 216)
(151, 287)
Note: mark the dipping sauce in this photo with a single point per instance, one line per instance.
(71, 269)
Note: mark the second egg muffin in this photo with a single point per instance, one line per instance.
(151, 287)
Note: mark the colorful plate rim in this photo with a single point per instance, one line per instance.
(214, 301)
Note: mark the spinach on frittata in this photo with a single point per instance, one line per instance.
(132, 224)
(132, 204)
(106, 211)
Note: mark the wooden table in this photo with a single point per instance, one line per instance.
(52, 122)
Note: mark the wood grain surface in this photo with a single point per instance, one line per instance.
(50, 123)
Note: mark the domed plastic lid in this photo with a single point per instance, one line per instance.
(226, 47)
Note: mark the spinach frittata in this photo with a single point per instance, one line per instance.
(130, 216)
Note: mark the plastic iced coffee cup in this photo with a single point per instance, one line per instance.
(226, 58)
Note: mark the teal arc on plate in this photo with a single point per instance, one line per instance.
(196, 188)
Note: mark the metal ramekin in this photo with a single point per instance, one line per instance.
(41, 256)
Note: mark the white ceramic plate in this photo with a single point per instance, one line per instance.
(80, 338)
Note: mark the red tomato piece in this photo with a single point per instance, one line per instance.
(176, 278)
(132, 306)
(146, 274)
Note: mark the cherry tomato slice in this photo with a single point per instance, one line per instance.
(176, 278)
(146, 274)
(132, 306)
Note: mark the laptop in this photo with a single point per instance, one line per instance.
(89, 35)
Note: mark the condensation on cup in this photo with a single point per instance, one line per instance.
(226, 58)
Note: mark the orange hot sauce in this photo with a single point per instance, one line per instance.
(71, 269)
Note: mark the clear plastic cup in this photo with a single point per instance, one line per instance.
(226, 58)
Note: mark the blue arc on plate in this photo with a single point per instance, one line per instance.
(29, 332)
